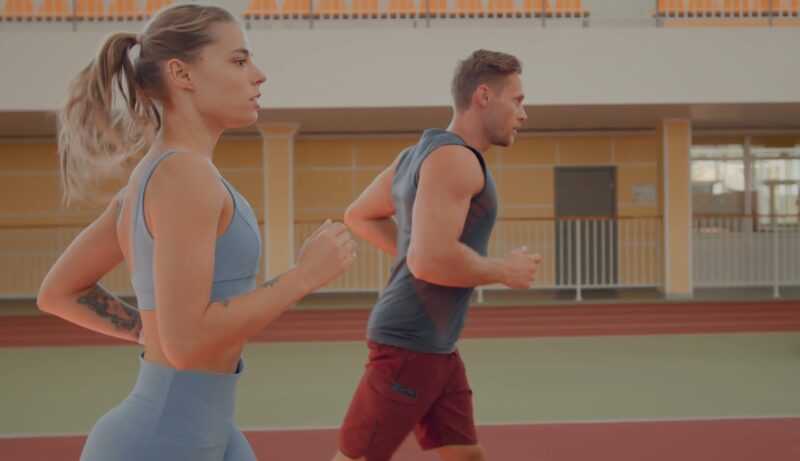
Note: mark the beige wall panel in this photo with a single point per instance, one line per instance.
(318, 153)
(525, 212)
(364, 178)
(250, 185)
(236, 153)
(589, 150)
(492, 156)
(627, 210)
(635, 149)
(525, 186)
(379, 152)
(530, 151)
(316, 189)
(30, 193)
(26, 157)
(628, 177)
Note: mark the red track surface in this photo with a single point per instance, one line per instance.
(484, 322)
(709, 440)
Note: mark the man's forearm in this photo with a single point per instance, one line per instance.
(381, 233)
(458, 266)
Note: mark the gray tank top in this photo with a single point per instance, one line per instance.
(236, 257)
(412, 313)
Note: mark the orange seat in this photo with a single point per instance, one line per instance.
(124, 9)
(536, 8)
(502, 9)
(433, 8)
(90, 10)
(469, 9)
(54, 10)
(151, 7)
(735, 7)
(792, 9)
(17, 10)
(262, 9)
(765, 7)
(671, 8)
(364, 8)
(296, 9)
(400, 9)
(701, 8)
(570, 9)
(328, 9)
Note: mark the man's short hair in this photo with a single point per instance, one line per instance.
(482, 67)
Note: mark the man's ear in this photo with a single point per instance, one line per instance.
(482, 96)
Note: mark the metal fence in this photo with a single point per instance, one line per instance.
(27, 253)
(577, 254)
(730, 251)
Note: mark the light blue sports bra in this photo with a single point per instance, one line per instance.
(236, 259)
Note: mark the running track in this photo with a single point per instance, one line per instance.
(483, 322)
(768, 439)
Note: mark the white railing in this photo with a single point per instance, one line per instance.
(576, 253)
(369, 273)
(27, 253)
(730, 251)
(581, 253)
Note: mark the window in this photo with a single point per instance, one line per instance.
(776, 181)
(718, 185)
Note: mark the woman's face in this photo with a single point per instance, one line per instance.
(225, 80)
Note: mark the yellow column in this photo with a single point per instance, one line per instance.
(278, 151)
(675, 203)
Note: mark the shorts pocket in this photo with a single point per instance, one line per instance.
(390, 389)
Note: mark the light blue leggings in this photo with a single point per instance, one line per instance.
(172, 415)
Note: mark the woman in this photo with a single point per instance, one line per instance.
(189, 240)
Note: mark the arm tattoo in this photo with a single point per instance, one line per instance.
(106, 305)
(269, 283)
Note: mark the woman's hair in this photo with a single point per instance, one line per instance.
(97, 136)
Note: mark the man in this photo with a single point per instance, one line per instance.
(434, 208)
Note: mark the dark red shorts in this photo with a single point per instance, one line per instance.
(404, 390)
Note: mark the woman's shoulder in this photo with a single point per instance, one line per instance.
(187, 179)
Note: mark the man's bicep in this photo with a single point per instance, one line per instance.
(447, 183)
(376, 201)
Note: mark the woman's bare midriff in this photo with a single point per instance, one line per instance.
(224, 362)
